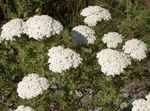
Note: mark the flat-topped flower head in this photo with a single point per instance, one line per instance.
(23, 108)
(95, 14)
(136, 49)
(113, 62)
(141, 105)
(90, 10)
(40, 26)
(61, 59)
(112, 39)
(31, 86)
(83, 34)
(11, 29)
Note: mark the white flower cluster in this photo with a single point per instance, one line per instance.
(40, 26)
(148, 97)
(31, 86)
(94, 14)
(11, 29)
(112, 39)
(136, 49)
(141, 105)
(83, 34)
(23, 108)
(112, 62)
(37, 27)
(61, 59)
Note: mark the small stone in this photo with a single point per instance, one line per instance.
(125, 95)
(123, 105)
(78, 93)
(53, 86)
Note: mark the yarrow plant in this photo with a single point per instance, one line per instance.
(136, 49)
(40, 26)
(148, 97)
(23, 108)
(37, 27)
(83, 34)
(61, 59)
(31, 86)
(113, 62)
(11, 29)
(95, 14)
(112, 39)
(141, 105)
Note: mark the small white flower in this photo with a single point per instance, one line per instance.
(31, 86)
(113, 62)
(141, 105)
(148, 97)
(23, 108)
(11, 29)
(61, 59)
(136, 49)
(40, 26)
(95, 14)
(83, 34)
(112, 39)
